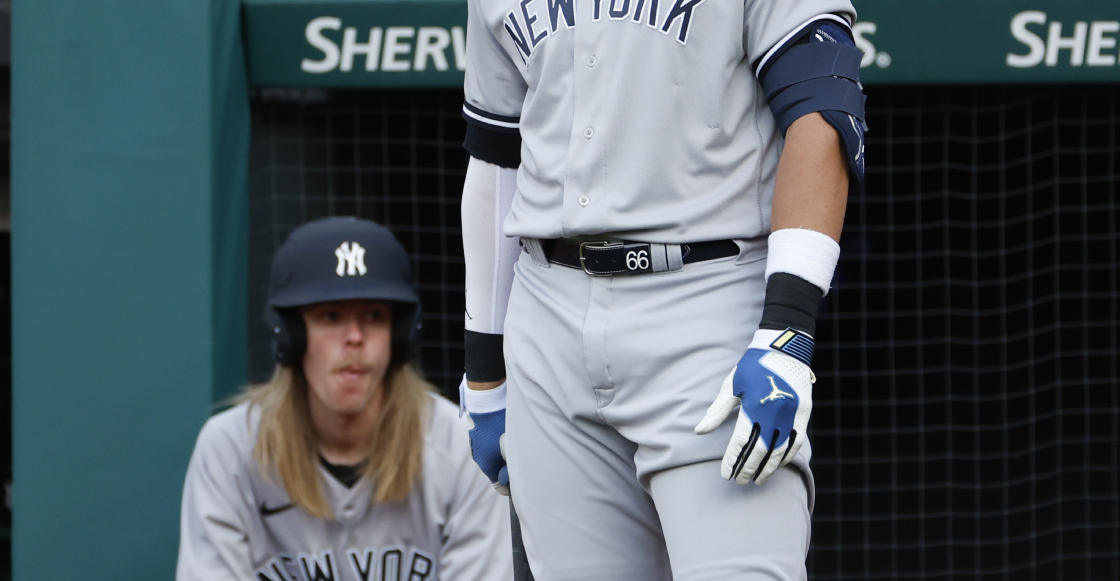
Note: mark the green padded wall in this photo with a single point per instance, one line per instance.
(129, 179)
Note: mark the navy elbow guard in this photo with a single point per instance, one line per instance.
(817, 71)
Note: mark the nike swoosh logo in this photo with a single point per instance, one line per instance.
(266, 511)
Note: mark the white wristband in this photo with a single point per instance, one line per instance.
(482, 401)
(804, 253)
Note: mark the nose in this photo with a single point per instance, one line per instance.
(354, 332)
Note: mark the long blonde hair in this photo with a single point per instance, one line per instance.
(286, 442)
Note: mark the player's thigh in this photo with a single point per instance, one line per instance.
(718, 530)
(583, 513)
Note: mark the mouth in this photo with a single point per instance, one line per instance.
(352, 371)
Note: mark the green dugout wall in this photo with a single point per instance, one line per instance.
(129, 170)
(130, 133)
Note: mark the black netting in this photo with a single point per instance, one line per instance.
(966, 416)
(394, 157)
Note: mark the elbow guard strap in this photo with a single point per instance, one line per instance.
(815, 60)
(821, 76)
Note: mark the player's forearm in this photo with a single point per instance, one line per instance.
(811, 190)
(807, 216)
(489, 257)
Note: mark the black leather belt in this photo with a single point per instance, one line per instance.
(599, 258)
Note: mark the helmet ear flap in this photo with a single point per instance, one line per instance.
(289, 336)
(407, 322)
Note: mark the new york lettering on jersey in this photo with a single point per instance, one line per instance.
(528, 29)
(367, 564)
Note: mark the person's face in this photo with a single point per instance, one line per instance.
(348, 352)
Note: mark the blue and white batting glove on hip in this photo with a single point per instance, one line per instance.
(486, 413)
(772, 386)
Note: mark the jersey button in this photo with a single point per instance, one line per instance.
(584, 200)
(591, 61)
(588, 133)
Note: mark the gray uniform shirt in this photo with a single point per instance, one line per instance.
(452, 526)
(638, 118)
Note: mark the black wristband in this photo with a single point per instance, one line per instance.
(482, 356)
(791, 303)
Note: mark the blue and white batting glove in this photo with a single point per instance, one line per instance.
(486, 412)
(772, 386)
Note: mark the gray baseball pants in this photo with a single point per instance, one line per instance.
(607, 378)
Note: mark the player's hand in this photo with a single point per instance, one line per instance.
(772, 386)
(488, 433)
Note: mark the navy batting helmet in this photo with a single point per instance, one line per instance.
(335, 259)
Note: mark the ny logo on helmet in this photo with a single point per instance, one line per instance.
(351, 259)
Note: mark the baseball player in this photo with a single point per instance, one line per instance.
(651, 216)
(345, 466)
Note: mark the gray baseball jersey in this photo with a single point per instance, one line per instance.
(237, 525)
(638, 118)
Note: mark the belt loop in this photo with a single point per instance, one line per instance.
(533, 247)
(665, 257)
(675, 256)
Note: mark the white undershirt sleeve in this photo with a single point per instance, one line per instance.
(489, 255)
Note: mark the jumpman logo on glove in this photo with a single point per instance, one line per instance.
(776, 394)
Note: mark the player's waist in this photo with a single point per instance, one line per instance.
(605, 213)
(616, 257)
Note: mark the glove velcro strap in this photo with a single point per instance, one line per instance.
(481, 401)
(795, 344)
